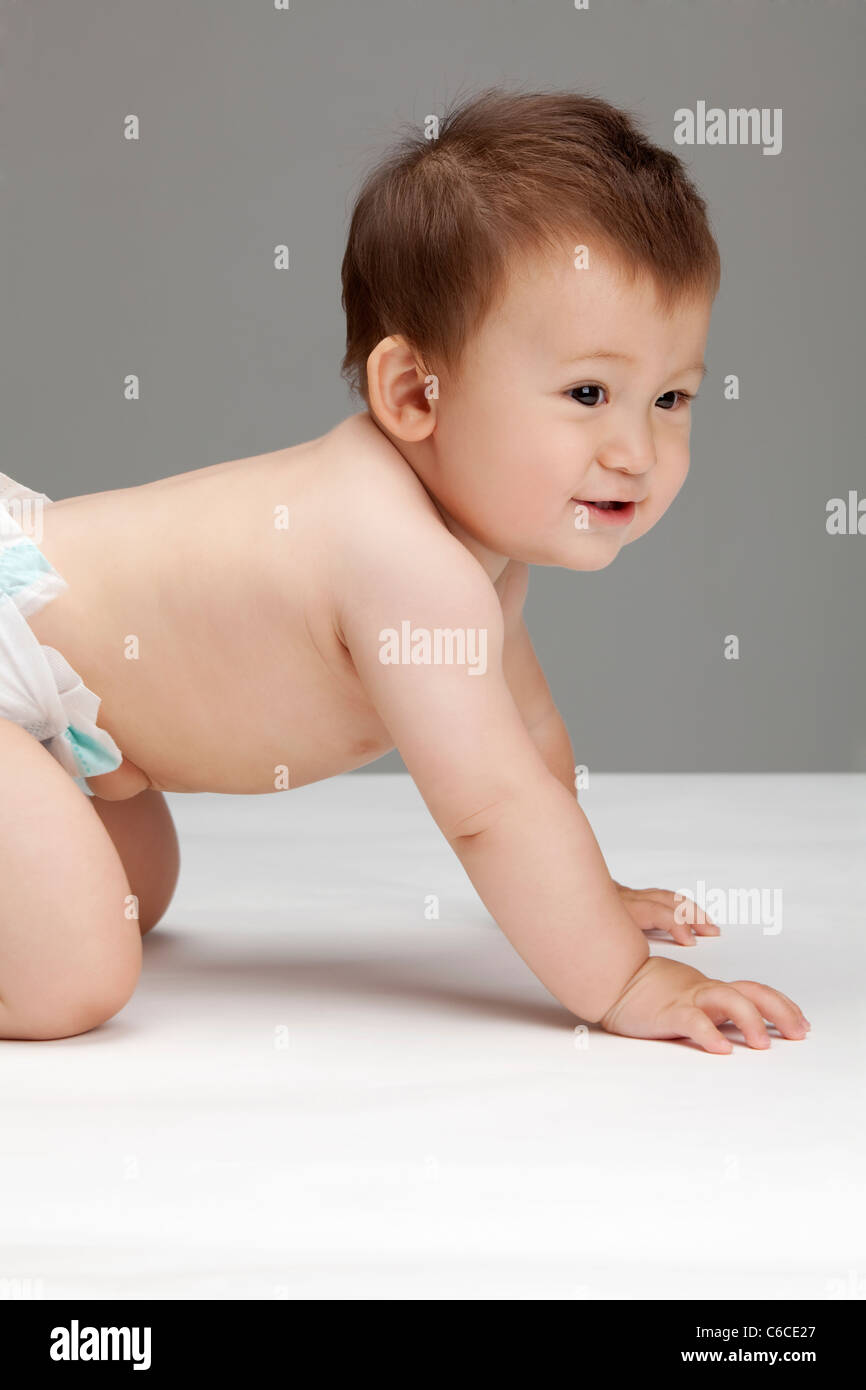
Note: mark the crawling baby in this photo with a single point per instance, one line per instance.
(528, 297)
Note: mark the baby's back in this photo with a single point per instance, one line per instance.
(201, 610)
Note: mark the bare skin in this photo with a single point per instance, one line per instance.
(235, 653)
(209, 635)
(240, 668)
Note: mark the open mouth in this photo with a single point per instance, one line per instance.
(609, 512)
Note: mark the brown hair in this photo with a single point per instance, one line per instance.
(511, 173)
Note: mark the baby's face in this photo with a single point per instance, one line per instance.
(540, 428)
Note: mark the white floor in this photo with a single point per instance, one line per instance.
(318, 1092)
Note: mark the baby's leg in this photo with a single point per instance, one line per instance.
(70, 956)
(142, 831)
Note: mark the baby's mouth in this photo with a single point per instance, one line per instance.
(608, 511)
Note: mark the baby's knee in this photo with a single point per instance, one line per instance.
(74, 1003)
(44, 1023)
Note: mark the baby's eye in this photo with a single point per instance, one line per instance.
(582, 399)
(684, 396)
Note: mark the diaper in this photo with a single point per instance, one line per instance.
(38, 688)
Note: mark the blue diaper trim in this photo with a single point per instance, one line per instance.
(21, 564)
(89, 754)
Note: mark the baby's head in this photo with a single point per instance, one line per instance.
(527, 301)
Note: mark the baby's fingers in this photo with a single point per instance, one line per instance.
(652, 915)
(777, 1007)
(722, 1001)
(666, 911)
(687, 910)
(692, 1022)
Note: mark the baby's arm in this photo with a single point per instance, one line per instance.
(521, 836)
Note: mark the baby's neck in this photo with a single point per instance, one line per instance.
(492, 563)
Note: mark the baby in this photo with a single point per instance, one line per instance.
(528, 297)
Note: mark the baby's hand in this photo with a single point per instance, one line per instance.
(664, 999)
(656, 908)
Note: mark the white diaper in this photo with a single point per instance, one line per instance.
(38, 688)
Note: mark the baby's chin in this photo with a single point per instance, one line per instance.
(581, 556)
(587, 551)
(590, 557)
(595, 550)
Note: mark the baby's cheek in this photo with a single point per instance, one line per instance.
(672, 477)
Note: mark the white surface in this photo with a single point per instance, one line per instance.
(433, 1126)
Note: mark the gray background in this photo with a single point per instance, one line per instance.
(155, 257)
